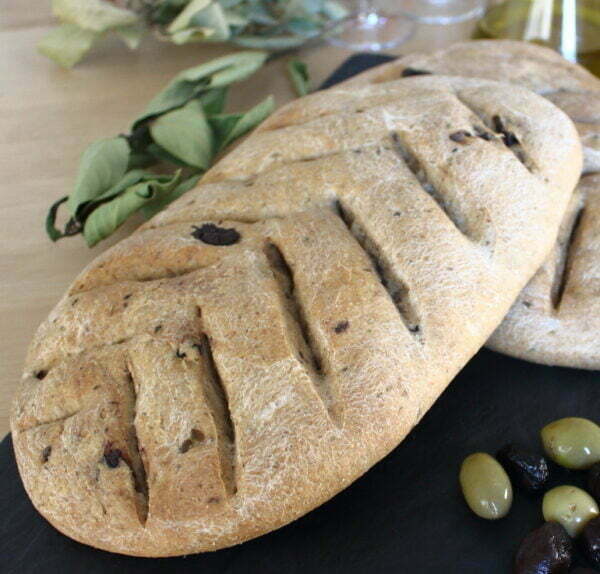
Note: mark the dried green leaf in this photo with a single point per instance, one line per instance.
(209, 23)
(235, 20)
(93, 15)
(222, 125)
(53, 233)
(131, 35)
(217, 73)
(229, 127)
(109, 187)
(214, 101)
(161, 201)
(298, 74)
(190, 35)
(260, 15)
(162, 155)
(184, 18)
(303, 27)
(140, 159)
(130, 178)
(212, 18)
(67, 44)
(175, 95)
(102, 165)
(251, 119)
(227, 4)
(269, 42)
(105, 219)
(228, 69)
(139, 138)
(302, 8)
(166, 11)
(185, 134)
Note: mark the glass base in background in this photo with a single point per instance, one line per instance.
(443, 11)
(370, 32)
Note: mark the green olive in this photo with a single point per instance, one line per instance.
(569, 506)
(486, 486)
(572, 442)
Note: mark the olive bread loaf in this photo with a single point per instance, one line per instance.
(256, 347)
(556, 319)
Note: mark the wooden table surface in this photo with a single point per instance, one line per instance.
(48, 116)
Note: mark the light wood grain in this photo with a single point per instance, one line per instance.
(48, 116)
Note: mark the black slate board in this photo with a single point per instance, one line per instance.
(406, 515)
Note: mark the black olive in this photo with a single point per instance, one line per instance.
(214, 235)
(594, 481)
(112, 456)
(546, 550)
(590, 541)
(527, 470)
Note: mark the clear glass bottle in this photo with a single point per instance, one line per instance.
(570, 26)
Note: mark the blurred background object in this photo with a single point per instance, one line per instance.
(273, 25)
(444, 12)
(375, 25)
(369, 27)
(572, 27)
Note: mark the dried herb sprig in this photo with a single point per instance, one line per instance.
(181, 130)
(257, 24)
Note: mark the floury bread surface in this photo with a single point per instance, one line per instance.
(569, 86)
(260, 344)
(556, 319)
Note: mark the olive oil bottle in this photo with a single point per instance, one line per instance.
(571, 27)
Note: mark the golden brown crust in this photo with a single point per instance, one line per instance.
(556, 319)
(569, 86)
(541, 326)
(183, 397)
